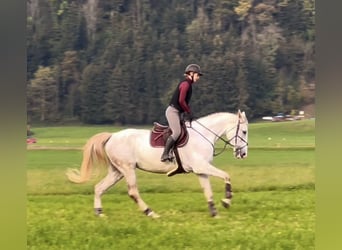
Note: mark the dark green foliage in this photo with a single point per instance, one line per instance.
(118, 61)
(93, 92)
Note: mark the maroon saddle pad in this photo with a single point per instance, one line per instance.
(160, 133)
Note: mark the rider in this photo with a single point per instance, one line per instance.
(178, 105)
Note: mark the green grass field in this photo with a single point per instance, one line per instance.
(273, 205)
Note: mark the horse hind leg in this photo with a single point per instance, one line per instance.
(110, 180)
(133, 192)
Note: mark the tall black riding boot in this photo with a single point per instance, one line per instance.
(168, 146)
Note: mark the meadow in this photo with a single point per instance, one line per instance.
(273, 205)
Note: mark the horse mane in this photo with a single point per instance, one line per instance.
(214, 114)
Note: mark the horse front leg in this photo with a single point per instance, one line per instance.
(226, 202)
(208, 193)
(210, 170)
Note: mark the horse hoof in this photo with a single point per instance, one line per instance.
(153, 215)
(226, 203)
(101, 215)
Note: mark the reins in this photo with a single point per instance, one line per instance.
(219, 137)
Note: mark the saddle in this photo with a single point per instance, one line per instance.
(160, 133)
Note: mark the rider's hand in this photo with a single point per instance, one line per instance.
(188, 117)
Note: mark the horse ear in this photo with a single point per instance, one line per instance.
(239, 113)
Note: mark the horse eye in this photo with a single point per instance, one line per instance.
(244, 132)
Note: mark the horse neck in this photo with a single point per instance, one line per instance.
(216, 124)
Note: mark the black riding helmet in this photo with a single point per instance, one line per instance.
(193, 68)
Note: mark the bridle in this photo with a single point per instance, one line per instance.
(236, 137)
(226, 142)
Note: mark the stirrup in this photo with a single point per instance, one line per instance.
(166, 158)
(169, 158)
(177, 170)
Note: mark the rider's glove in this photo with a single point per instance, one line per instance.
(188, 117)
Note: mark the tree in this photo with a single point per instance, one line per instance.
(117, 97)
(93, 91)
(44, 95)
(70, 80)
(40, 34)
(241, 85)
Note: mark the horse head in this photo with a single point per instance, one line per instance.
(238, 136)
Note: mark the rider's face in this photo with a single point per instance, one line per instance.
(195, 76)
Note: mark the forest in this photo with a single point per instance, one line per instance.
(118, 61)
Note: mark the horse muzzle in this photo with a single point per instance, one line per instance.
(240, 153)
